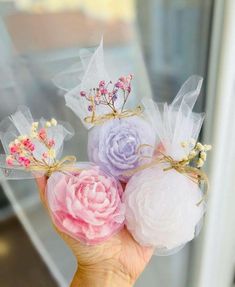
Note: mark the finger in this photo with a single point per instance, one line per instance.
(41, 184)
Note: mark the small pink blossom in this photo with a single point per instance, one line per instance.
(25, 142)
(26, 162)
(10, 161)
(122, 79)
(14, 149)
(119, 85)
(42, 134)
(82, 94)
(21, 160)
(97, 100)
(130, 77)
(110, 96)
(51, 143)
(45, 155)
(28, 144)
(101, 84)
(103, 91)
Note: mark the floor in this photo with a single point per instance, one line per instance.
(20, 264)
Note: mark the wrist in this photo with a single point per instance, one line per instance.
(105, 276)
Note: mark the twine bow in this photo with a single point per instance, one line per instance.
(193, 173)
(182, 166)
(65, 164)
(93, 119)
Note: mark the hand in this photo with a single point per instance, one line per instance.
(117, 262)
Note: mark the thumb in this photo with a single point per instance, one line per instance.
(41, 184)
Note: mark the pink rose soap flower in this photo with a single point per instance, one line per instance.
(84, 201)
(86, 205)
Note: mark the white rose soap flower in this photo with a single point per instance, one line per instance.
(162, 208)
(164, 200)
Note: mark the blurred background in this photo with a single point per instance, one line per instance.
(162, 42)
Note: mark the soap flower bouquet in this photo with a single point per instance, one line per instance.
(83, 201)
(117, 133)
(145, 169)
(152, 148)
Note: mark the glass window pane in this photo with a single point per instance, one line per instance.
(175, 41)
(41, 38)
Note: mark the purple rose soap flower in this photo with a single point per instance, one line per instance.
(122, 139)
(119, 139)
(116, 145)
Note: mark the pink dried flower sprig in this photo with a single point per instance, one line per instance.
(107, 93)
(23, 147)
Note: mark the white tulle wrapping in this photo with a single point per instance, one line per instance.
(20, 123)
(161, 206)
(176, 123)
(84, 76)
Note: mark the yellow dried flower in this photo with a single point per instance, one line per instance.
(48, 124)
(35, 125)
(192, 153)
(203, 155)
(200, 162)
(51, 153)
(185, 158)
(16, 141)
(53, 122)
(200, 147)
